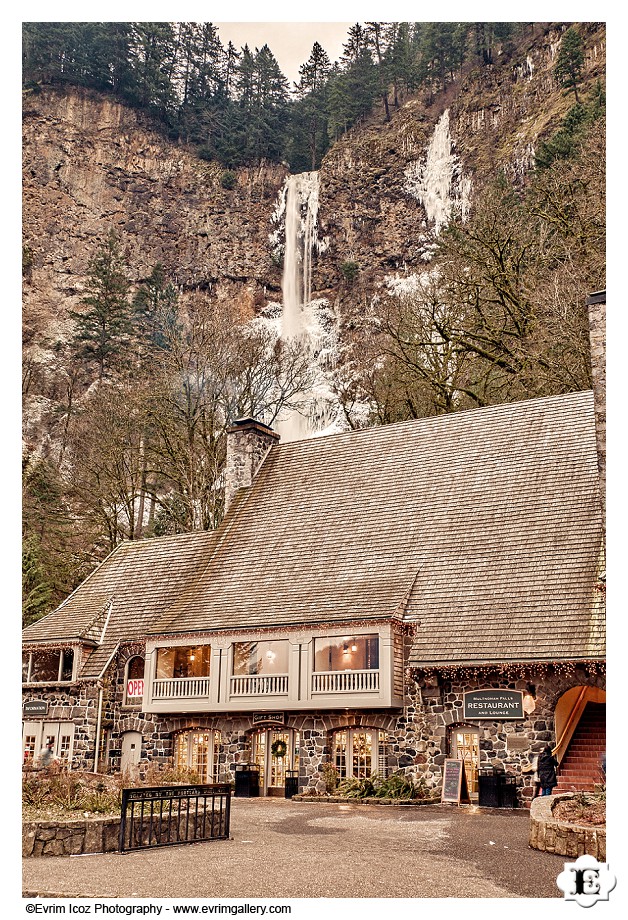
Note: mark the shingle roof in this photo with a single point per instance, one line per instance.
(482, 526)
(140, 579)
(490, 516)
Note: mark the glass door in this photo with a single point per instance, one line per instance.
(466, 747)
(275, 751)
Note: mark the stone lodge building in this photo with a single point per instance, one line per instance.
(360, 587)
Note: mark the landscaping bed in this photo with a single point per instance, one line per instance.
(584, 808)
(366, 800)
(549, 831)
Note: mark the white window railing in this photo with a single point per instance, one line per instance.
(259, 685)
(175, 688)
(345, 681)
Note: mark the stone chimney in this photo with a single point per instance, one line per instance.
(596, 304)
(248, 443)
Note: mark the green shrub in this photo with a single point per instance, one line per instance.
(349, 271)
(228, 179)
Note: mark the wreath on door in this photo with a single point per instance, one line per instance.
(279, 748)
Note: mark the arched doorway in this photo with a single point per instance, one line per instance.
(131, 750)
(275, 751)
(464, 745)
(580, 725)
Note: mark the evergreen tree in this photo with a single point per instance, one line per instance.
(155, 313)
(103, 331)
(312, 112)
(570, 61)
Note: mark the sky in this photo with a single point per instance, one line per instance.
(290, 42)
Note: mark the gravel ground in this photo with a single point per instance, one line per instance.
(285, 849)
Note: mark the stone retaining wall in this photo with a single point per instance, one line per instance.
(69, 838)
(552, 836)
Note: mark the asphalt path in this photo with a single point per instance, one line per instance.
(284, 849)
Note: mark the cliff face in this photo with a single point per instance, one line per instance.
(91, 165)
(384, 186)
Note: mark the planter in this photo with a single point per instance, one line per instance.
(560, 837)
(369, 800)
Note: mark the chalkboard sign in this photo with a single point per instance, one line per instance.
(455, 788)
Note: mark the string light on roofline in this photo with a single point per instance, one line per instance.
(510, 669)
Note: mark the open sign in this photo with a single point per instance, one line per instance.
(135, 688)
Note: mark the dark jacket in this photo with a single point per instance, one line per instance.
(547, 770)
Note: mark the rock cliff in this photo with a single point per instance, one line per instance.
(91, 165)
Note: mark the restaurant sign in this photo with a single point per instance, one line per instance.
(493, 704)
(269, 717)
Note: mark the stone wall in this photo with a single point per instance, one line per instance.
(77, 704)
(507, 745)
(69, 838)
(562, 838)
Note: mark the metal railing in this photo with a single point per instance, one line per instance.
(175, 688)
(162, 816)
(345, 681)
(259, 685)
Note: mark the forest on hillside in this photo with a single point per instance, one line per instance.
(143, 390)
(235, 105)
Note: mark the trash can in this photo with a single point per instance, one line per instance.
(507, 791)
(246, 781)
(292, 783)
(488, 789)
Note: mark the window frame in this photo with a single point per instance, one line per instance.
(349, 641)
(62, 654)
(379, 750)
(133, 700)
(177, 649)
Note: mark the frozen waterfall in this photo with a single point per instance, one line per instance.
(309, 322)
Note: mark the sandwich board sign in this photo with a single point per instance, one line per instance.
(455, 790)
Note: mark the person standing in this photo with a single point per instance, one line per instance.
(547, 771)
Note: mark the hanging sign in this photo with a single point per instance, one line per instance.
(134, 688)
(455, 790)
(269, 717)
(493, 704)
(36, 708)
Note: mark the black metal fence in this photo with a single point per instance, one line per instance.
(162, 816)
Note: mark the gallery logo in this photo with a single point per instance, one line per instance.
(586, 881)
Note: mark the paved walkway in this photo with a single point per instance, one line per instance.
(287, 849)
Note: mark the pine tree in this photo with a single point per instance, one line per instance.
(311, 92)
(103, 331)
(570, 61)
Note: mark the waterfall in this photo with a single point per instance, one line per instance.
(300, 222)
(303, 319)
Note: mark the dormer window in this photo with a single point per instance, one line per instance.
(48, 666)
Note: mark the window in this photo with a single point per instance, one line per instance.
(360, 752)
(30, 742)
(183, 661)
(45, 666)
(200, 752)
(268, 657)
(134, 683)
(38, 735)
(346, 653)
(48, 666)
